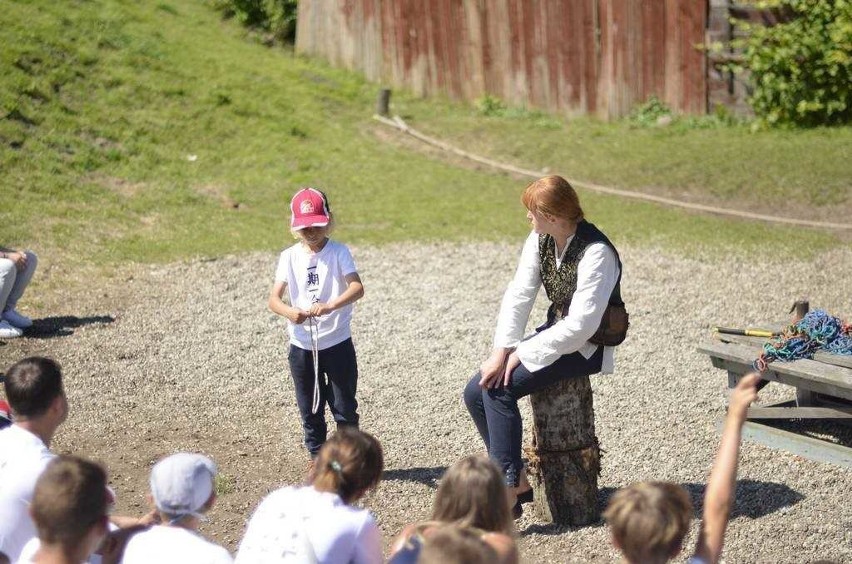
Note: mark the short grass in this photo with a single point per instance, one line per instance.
(153, 131)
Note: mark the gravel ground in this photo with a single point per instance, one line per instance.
(186, 356)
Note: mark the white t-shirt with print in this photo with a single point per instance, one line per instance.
(23, 457)
(173, 545)
(300, 524)
(317, 277)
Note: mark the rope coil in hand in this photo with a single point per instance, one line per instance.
(817, 330)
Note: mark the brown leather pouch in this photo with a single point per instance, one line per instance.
(613, 328)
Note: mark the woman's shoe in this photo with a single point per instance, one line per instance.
(518, 508)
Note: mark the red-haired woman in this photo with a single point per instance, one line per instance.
(581, 273)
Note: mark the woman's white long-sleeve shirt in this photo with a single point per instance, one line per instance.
(597, 274)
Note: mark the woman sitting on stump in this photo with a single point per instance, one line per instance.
(581, 274)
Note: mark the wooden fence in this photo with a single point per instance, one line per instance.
(569, 56)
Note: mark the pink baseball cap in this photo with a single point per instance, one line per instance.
(308, 208)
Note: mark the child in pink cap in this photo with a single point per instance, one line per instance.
(319, 279)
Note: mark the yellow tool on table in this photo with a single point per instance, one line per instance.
(747, 332)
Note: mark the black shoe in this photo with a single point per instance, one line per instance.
(518, 508)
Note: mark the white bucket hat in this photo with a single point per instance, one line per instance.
(181, 484)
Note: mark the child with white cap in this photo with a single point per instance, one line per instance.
(182, 490)
(321, 283)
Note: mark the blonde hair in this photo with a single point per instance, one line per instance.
(553, 195)
(473, 494)
(348, 464)
(649, 520)
(451, 544)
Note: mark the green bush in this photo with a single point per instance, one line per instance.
(276, 17)
(801, 70)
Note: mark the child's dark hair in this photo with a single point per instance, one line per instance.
(31, 386)
(348, 464)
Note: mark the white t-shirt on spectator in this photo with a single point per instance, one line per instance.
(317, 277)
(30, 549)
(23, 457)
(173, 545)
(300, 524)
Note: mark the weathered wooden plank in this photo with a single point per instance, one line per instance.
(758, 342)
(799, 413)
(809, 374)
(569, 56)
(807, 447)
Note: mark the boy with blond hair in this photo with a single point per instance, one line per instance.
(649, 520)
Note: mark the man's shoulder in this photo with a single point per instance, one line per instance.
(20, 446)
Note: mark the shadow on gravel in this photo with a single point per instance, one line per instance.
(754, 499)
(426, 476)
(62, 326)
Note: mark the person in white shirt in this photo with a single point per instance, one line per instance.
(69, 507)
(581, 272)
(16, 271)
(319, 278)
(34, 390)
(182, 490)
(317, 524)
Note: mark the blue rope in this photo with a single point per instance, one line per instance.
(816, 330)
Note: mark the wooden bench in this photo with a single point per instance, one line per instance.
(823, 391)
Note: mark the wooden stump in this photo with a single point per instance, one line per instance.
(564, 459)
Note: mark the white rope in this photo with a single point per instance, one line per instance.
(314, 331)
(398, 123)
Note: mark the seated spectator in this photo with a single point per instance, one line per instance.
(317, 522)
(472, 495)
(182, 490)
(34, 390)
(648, 521)
(449, 544)
(16, 271)
(69, 509)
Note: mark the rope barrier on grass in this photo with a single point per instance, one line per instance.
(817, 330)
(399, 124)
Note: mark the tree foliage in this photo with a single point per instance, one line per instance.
(801, 70)
(276, 17)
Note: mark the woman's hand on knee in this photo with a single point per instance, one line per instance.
(511, 363)
(491, 371)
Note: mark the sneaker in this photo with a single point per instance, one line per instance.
(7, 331)
(15, 319)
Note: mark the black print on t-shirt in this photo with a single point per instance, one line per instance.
(313, 283)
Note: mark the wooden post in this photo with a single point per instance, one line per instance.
(383, 102)
(564, 460)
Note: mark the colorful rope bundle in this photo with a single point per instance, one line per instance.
(816, 330)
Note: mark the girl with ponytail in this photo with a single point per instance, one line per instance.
(317, 523)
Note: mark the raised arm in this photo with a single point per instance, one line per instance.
(719, 496)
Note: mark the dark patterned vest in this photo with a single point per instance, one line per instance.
(561, 283)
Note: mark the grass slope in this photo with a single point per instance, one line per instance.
(130, 130)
